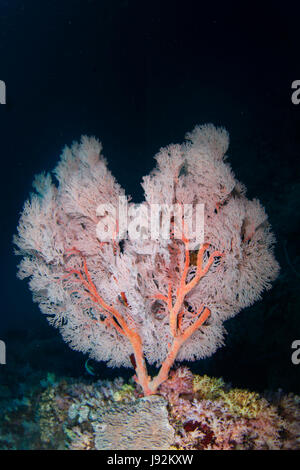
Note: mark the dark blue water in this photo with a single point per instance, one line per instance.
(138, 75)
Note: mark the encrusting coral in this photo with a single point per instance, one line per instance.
(69, 414)
(208, 414)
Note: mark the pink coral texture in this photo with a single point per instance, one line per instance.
(132, 300)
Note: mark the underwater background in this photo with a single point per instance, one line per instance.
(138, 75)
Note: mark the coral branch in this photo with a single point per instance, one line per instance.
(59, 236)
(117, 321)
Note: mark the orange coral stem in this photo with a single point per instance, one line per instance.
(174, 349)
(116, 320)
(176, 312)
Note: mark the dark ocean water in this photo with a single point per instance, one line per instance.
(138, 75)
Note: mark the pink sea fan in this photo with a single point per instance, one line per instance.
(152, 298)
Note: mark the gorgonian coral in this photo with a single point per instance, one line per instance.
(138, 293)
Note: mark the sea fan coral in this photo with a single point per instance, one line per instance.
(160, 294)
